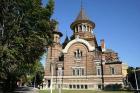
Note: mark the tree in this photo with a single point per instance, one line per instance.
(25, 31)
(38, 75)
(131, 76)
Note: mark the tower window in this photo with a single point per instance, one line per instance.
(76, 29)
(84, 28)
(87, 28)
(80, 28)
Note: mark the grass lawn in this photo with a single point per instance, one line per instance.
(83, 91)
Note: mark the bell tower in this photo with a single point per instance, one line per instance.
(83, 26)
(56, 35)
(54, 51)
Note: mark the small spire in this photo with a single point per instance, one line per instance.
(81, 4)
(82, 15)
(66, 41)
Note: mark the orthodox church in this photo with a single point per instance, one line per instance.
(82, 63)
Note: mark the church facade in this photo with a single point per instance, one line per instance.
(82, 63)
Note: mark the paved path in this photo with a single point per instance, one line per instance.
(26, 90)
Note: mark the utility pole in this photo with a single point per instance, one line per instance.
(60, 76)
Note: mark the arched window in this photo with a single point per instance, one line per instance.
(77, 29)
(112, 70)
(87, 28)
(84, 27)
(80, 27)
(98, 70)
(78, 54)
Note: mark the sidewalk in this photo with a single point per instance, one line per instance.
(26, 90)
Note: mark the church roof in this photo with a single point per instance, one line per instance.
(82, 15)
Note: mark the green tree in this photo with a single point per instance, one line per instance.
(25, 32)
(38, 75)
(131, 76)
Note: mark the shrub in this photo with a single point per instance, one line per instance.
(113, 87)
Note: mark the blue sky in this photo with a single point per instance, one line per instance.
(117, 22)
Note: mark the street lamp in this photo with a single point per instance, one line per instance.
(60, 77)
(102, 72)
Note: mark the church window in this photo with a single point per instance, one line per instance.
(99, 87)
(82, 71)
(84, 27)
(87, 28)
(76, 29)
(74, 86)
(73, 72)
(85, 86)
(78, 54)
(80, 27)
(82, 86)
(70, 86)
(112, 70)
(78, 87)
(98, 70)
(78, 71)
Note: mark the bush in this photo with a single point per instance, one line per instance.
(113, 87)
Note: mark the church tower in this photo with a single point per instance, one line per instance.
(83, 27)
(54, 51)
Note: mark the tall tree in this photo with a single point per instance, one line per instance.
(25, 31)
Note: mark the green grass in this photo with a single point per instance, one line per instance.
(83, 91)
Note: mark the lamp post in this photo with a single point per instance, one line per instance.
(35, 81)
(60, 76)
(102, 72)
(137, 87)
(52, 64)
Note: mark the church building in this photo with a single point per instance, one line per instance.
(82, 62)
